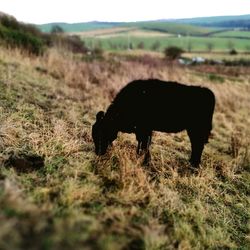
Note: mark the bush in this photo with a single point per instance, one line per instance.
(76, 45)
(216, 78)
(14, 34)
(173, 53)
(71, 43)
(57, 29)
(24, 40)
(156, 45)
(233, 52)
(141, 45)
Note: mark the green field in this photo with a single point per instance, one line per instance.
(234, 33)
(188, 43)
(188, 37)
(173, 28)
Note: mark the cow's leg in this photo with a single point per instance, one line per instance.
(145, 147)
(144, 141)
(197, 148)
(138, 150)
(197, 144)
(140, 137)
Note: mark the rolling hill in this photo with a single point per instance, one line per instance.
(182, 26)
(216, 21)
(78, 27)
(162, 26)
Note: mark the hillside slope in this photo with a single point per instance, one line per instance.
(79, 201)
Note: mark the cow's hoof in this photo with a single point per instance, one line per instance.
(194, 170)
(146, 162)
(194, 163)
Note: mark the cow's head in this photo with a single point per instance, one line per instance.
(103, 134)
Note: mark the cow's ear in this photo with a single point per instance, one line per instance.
(99, 116)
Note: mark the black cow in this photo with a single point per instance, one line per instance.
(146, 105)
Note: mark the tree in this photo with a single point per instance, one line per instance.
(210, 46)
(130, 46)
(56, 29)
(141, 45)
(247, 48)
(156, 45)
(173, 53)
(230, 45)
(189, 46)
(233, 52)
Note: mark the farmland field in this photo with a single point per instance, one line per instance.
(159, 35)
(201, 44)
(233, 33)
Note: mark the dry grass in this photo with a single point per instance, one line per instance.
(80, 201)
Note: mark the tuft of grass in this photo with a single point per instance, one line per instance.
(215, 78)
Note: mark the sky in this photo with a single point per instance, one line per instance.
(70, 11)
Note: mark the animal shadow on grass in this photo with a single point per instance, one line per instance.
(24, 162)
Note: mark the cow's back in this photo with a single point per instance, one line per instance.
(159, 105)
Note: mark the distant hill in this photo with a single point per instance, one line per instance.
(173, 28)
(162, 26)
(78, 27)
(212, 19)
(241, 21)
(176, 26)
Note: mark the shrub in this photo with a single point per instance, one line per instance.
(98, 52)
(15, 34)
(131, 46)
(156, 45)
(57, 29)
(216, 78)
(71, 43)
(233, 52)
(141, 45)
(173, 52)
(24, 40)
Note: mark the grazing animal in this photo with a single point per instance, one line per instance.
(146, 105)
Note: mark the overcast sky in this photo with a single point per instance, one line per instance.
(44, 11)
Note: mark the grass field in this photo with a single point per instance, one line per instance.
(173, 28)
(80, 201)
(146, 35)
(233, 33)
(201, 44)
